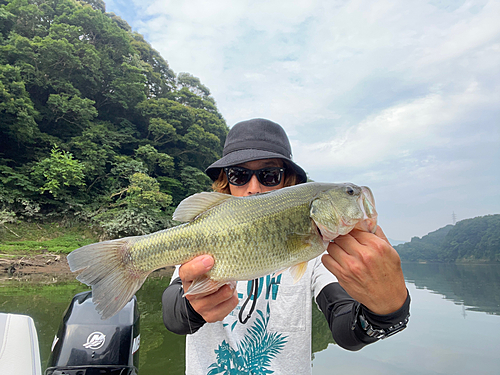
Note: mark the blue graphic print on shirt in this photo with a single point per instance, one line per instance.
(253, 354)
(259, 346)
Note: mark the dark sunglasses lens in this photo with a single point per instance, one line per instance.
(270, 176)
(238, 176)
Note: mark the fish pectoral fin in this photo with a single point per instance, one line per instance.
(205, 285)
(196, 204)
(298, 271)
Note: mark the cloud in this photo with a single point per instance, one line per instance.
(402, 96)
(401, 130)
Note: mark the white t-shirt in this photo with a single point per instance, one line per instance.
(276, 338)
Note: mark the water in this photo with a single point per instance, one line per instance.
(454, 326)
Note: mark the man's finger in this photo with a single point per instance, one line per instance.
(337, 254)
(380, 233)
(195, 268)
(367, 238)
(346, 243)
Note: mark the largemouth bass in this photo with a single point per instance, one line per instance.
(248, 237)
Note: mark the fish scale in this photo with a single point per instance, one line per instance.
(248, 237)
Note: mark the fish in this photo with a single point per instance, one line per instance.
(248, 237)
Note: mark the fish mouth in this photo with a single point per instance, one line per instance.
(367, 205)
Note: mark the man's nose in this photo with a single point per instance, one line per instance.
(254, 186)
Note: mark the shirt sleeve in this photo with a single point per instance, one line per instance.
(178, 314)
(320, 277)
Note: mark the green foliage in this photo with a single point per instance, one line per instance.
(23, 237)
(64, 244)
(161, 131)
(194, 180)
(193, 84)
(154, 159)
(471, 240)
(144, 193)
(15, 185)
(72, 109)
(17, 114)
(59, 172)
(97, 5)
(6, 216)
(140, 209)
(75, 76)
(475, 239)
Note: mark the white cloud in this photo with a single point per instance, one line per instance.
(399, 95)
(398, 131)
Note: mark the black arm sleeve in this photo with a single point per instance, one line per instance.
(340, 310)
(178, 314)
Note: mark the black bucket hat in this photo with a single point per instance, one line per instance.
(254, 140)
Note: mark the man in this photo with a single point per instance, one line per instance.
(358, 283)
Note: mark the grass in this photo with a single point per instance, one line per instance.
(35, 238)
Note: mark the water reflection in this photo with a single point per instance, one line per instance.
(477, 287)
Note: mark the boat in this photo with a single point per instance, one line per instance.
(19, 351)
(84, 344)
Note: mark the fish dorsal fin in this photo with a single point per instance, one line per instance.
(298, 271)
(198, 203)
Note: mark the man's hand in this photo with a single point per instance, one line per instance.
(215, 306)
(369, 269)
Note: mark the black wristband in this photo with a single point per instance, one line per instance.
(382, 326)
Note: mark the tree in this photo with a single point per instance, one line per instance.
(17, 114)
(154, 160)
(58, 173)
(139, 210)
(470, 240)
(75, 76)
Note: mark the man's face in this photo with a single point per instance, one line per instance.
(254, 186)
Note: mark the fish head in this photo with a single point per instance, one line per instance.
(338, 209)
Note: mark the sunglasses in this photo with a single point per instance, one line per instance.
(239, 176)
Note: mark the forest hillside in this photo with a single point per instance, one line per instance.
(94, 125)
(470, 240)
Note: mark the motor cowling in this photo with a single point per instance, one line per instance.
(87, 345)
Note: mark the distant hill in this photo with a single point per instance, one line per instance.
(395, 242)
(470, 240)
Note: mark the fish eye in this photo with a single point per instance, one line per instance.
(349, 190)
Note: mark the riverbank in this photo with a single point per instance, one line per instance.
(45, 267)
(34, 266)
(28, 249)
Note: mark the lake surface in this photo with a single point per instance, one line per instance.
(454, 326)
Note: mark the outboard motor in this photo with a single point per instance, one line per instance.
(87, 345)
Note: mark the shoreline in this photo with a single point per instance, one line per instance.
(44, 262)
(45, 266)
(40, 267)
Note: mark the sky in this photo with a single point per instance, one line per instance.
(401, 96)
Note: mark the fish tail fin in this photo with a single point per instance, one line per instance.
(106, 267)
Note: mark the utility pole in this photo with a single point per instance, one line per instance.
(453, 218)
